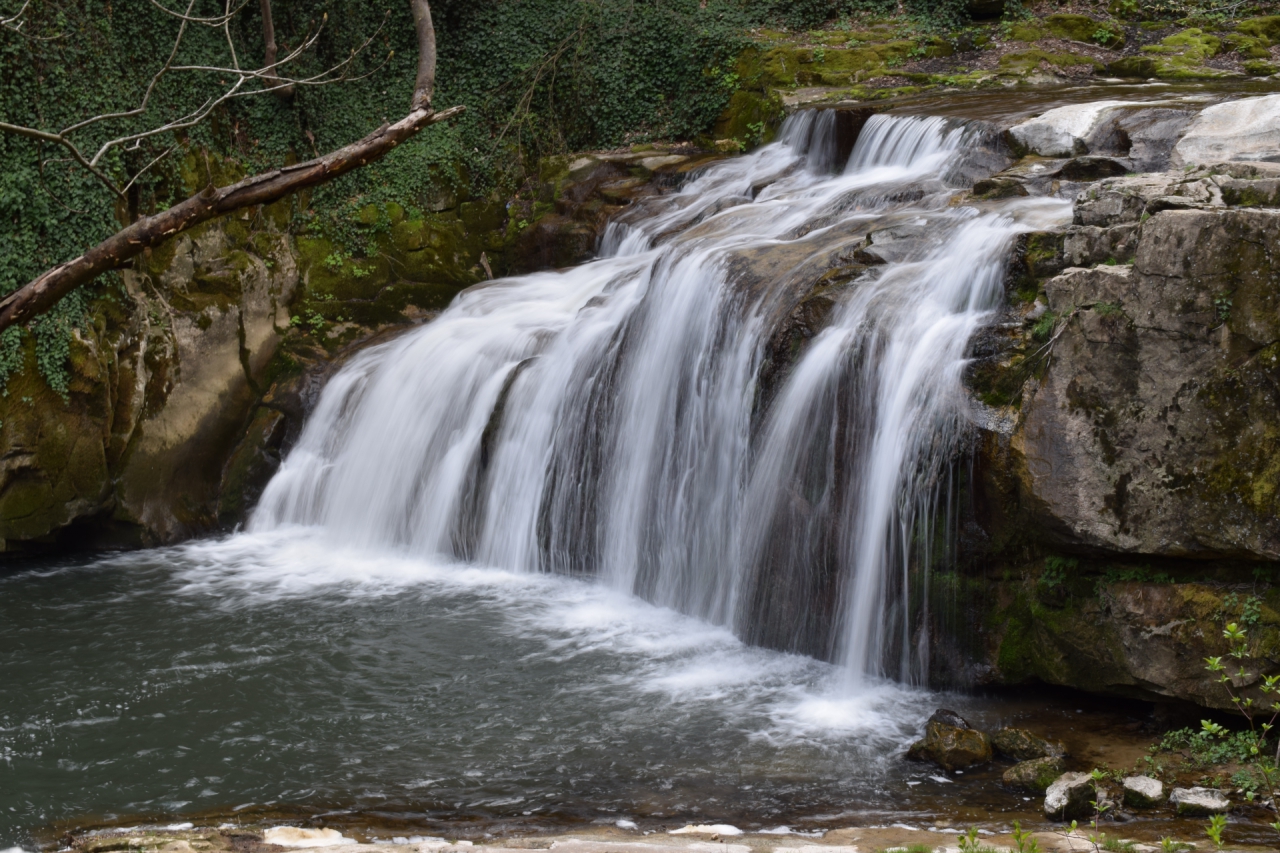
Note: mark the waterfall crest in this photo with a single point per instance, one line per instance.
(689, 417)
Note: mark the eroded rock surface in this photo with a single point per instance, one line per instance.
(1153, 432)
(1247, 129)
(1142, 792)
(1070, 797)
(1199, 802)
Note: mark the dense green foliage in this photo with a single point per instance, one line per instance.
(536, 76)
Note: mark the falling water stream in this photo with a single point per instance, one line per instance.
(646, 538)
(612, 420)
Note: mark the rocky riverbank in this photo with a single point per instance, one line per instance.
(626, 837)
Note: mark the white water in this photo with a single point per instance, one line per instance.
(610, 420)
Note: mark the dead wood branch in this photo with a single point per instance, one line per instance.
(41, 294)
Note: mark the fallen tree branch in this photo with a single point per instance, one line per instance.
(41, 294)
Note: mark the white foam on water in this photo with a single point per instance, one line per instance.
(659, 651)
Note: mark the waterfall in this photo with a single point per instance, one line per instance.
(746, 408)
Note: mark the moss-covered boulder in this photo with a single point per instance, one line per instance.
(1034, 776)
(951, 743)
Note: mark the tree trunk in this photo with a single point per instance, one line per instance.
(269, 53)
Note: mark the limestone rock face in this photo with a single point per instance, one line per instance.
(1061, 132)
(1034, 776)
(1022, 745)
(1247, 129)
(1070, 797)
(1143, 792)
(1153, 430)
(951, 743)
(1198, 802)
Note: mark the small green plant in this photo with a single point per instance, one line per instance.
(1055, 572)
(1261, 721)
(1118, 845)
(1217, 824)
(1222, 305)
(1251, 611)
(1168, 845)
(1042, 331)
(1104, 35)
(1023, 842)
(819, 54)
(1100, 807)
(970, 843)
(1107, 309)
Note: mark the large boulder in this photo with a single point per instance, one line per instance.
(1199, 802)
(1061, 132)
(1070, 797)
(1033, 776)
(951, 743)
(1153, 430)
(1247, 129)
(1022, 745)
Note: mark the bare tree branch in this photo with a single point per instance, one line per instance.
(41, 294)
(216, 21)
(14, 22)
(59, 139)
(269, 51)
(268, 77)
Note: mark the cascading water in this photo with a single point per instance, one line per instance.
(666, 419)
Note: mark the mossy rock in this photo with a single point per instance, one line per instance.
(1034, 776)
(1143, 67)
(1260, 68)
(1248, 46)
(1024, 62)
(1266, 27)
(1082, 28)
(751, 118)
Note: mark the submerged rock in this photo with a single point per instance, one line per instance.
(1070, 797)
(1035, 775)
(1143, 792)
(1198, 802)
(951, 743)
(1022, 745)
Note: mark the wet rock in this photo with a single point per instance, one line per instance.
(1062, 132)
(994, 188)
(1247, 129)
(1198, 802)
(951, 743)
(1143, 792)
(1022, 745)
(1034, 776)
(1141, 136)
(1070, 797)
(1148, 360)
(1090, 168)
(1116, 201)
(1089, 245)
(1250, 193)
